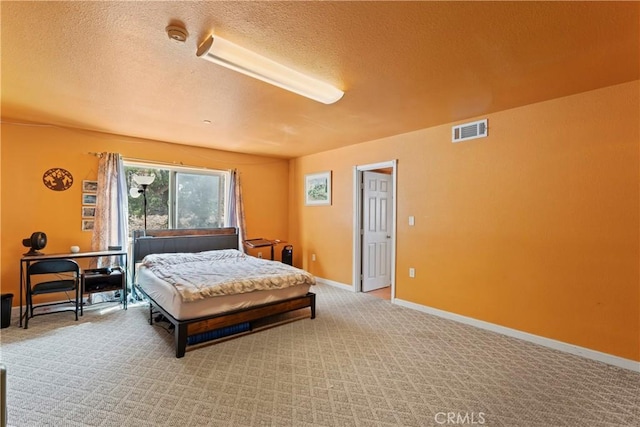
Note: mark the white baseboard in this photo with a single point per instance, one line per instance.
(15, 311)
(610, 359)
(620, 362)
(342, 286)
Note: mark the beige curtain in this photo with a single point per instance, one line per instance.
(110, 227)
(236, 208)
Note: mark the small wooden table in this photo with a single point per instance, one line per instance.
(262, 243)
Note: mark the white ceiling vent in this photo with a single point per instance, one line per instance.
(471, 130)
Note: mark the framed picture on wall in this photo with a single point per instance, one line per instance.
(317, 189)
(87, 224)
(89, 199)
(89, 186)
(88, 212)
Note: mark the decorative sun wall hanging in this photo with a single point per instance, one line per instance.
(57, 179)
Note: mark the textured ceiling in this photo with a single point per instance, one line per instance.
(110, 66)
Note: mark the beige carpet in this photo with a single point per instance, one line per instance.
(361, 362)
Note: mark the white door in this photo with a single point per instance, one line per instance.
(376, 230)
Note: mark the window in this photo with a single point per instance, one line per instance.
(178, 197)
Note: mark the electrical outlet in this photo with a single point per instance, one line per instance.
(259, 254)
(412, 272)
(313, 257)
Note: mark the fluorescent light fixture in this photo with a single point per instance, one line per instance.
(223, 52)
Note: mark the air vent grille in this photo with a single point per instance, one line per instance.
(468, 131)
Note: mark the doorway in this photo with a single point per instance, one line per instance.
(374, 227)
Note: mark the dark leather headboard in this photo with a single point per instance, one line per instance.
(219, 238)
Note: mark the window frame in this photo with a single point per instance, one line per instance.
(191, 170)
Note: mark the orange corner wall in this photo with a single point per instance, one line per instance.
(535, 228)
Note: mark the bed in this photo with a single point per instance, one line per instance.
(172, 271)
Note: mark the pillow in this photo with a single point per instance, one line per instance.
(183, 257)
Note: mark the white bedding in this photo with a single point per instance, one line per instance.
(166, 296)
(199, 276)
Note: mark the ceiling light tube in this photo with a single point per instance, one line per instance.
(223, 52)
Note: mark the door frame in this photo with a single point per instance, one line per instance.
(357, 222)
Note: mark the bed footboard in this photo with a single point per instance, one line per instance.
(183, 329)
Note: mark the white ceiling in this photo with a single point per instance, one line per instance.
(110, 66)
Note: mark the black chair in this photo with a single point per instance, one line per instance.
(66, 278)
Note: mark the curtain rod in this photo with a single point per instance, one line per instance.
(158, 163)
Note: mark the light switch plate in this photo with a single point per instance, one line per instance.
(412, 220)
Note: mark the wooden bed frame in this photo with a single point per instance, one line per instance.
(197, 240)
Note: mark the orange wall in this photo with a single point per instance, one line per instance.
(535, 228)
(28, 206)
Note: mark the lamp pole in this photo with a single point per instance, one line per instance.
(144, 197)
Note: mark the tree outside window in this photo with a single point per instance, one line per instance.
(178, 198)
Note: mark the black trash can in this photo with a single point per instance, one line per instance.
(5, 309)
(287, 255)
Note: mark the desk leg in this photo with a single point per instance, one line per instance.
(124, 283)
(82, 294)
(271, 252)
(124, 295)
(21, 278)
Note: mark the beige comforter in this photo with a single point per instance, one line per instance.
(223, 272)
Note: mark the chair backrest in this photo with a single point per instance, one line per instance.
(48, 266)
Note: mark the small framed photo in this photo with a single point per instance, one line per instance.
(317, 189)
(89, 186)
(89, 199)
(87, 224)
(88, 212)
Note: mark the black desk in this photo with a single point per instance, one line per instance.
(25, 261)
